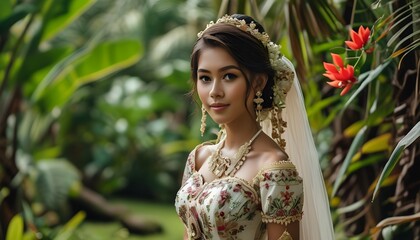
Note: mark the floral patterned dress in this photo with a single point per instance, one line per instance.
(233, 209)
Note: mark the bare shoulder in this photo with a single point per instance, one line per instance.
(202, 153)
(268, 152)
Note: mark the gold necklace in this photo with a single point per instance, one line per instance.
(224, 166)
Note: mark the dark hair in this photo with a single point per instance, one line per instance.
(249, 52)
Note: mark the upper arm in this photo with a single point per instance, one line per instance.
(275, 230)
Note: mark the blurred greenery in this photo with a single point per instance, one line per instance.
(164, 213)
(94, 105)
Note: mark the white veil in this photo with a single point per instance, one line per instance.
(316, 223)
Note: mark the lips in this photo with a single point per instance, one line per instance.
(218, 106)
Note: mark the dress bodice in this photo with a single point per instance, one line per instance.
(233, 208)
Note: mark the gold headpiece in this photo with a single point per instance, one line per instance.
(283, 78)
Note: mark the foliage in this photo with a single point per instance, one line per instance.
(133, 132)
(405, 142)
(357, 131)
(164, 213)
(39, 78)
(130, 132)
(16, 229)
(381, 66)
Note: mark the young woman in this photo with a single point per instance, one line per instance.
(250, 184)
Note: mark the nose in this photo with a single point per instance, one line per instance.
(216, 90)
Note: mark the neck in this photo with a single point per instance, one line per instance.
(238, 134)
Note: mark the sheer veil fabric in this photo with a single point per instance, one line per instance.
(316, 223)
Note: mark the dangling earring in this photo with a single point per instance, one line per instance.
(258, 100)
(203, 120)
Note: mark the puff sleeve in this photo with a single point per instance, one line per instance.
(281, 192)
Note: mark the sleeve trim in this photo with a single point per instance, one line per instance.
(286, 220)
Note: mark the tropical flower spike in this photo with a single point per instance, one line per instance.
(359, 39)
(343, 76)
(340, 75)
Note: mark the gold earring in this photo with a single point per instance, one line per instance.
(258, 100)
(203, 120)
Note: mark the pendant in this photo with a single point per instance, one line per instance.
(219, 164)
(239, 159)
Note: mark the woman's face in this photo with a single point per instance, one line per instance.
(221, 87)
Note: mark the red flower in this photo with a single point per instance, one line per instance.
(341, 77)
(359, 39)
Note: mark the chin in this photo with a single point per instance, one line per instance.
(219, 121)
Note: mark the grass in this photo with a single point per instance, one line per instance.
(162, 214)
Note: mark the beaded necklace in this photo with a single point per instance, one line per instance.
(224, 166)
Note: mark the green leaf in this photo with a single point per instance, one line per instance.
(28, 213)
(330, 118)
(414, 35)
(6, 9)
(406, 141)
(354, 166)
(47, 152)
(4, 192)
(334, 46)
(352, 207)
(377, 144)
(36, 66)
(19, 12)
(15, 229)
(327, 102)
(105, 59)
(68, 229)
(355, 145)
(70, 10)
(378, 116)
(354, 128)
(398, 34)
(406, 49)
(55, 178)
(370, 76)
(32, 128)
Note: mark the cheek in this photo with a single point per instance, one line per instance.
(202, 92)
(240, 92)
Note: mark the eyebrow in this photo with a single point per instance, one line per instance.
(221, 69)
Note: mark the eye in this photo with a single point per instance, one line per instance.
(229, 76)
(204, 78)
